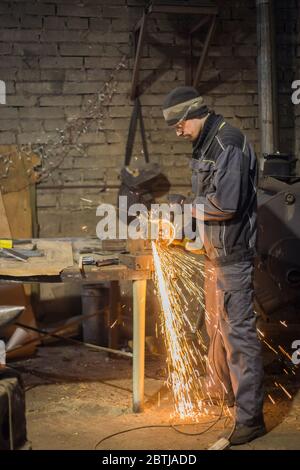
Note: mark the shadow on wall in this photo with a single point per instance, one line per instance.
(179, 54)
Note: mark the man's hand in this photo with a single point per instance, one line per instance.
(176, 199)
(188, 245)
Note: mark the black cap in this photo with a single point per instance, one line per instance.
(183, 103)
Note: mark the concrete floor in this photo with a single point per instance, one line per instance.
(75, 397)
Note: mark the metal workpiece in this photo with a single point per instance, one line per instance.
(9, 313)
(139, 261)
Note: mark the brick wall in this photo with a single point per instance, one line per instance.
(56, 54)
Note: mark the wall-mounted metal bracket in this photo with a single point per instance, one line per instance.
(208, 13)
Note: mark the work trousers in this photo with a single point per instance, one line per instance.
(234, 356)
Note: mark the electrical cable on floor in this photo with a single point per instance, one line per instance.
(213, 423)
(170, 426)
(130, 430)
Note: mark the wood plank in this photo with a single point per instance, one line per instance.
(139, 261)
(5, 231)
(18, 210)
(58, 256)
(20, 172)
(15, 294)
(106, 273)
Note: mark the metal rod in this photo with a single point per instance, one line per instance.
(138, 53)
(198, 25)
(76, 321)
(189, 62)
(138, 25)
(204, 52)
(267, 85)
(139, 314)
(75, 341)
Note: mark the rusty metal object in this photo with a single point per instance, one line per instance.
(137, 262)
(138, 246)
(8, 314)
(267, 82)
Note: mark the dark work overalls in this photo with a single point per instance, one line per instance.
(224, 181)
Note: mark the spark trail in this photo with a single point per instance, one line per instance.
(176, 280)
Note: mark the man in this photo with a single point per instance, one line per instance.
(224, 179)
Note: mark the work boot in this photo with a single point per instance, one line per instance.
(243, 434)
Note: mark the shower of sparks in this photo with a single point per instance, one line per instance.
(86, 200)
(260, 332)
(271, 399)
(270, 347)
(114, 324)
(175, 277)
(285, 352)
(285, 391)
(179, 283)
(281, 353)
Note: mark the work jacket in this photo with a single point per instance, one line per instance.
(224, 185)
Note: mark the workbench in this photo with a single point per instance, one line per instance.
(61, 263)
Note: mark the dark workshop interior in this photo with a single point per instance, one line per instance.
(105, 342)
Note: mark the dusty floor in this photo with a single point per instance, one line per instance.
(75, 397)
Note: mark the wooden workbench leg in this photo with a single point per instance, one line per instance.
(139, 316)
(114, 315)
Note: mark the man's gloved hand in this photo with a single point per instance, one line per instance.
(186, 243)
(176, 199)
(189, 245)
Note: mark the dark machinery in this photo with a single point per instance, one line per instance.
(277, 276)
(12, 395)
(12, 411)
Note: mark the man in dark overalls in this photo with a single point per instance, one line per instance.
(224, 182)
